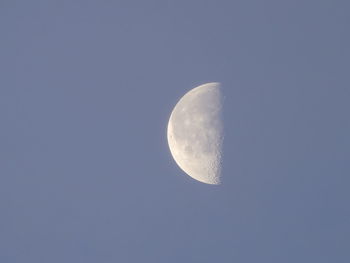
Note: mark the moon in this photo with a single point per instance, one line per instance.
(195, 133)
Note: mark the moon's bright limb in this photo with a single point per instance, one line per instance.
(195, 133)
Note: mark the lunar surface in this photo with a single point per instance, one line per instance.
(195, 133)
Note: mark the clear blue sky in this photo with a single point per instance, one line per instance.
(86, 90)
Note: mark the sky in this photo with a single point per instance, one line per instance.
(86, 91)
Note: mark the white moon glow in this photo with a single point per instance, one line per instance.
(195, 133)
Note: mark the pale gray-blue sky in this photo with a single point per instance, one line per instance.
(86, 89)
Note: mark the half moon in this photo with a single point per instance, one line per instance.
(195, 133)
